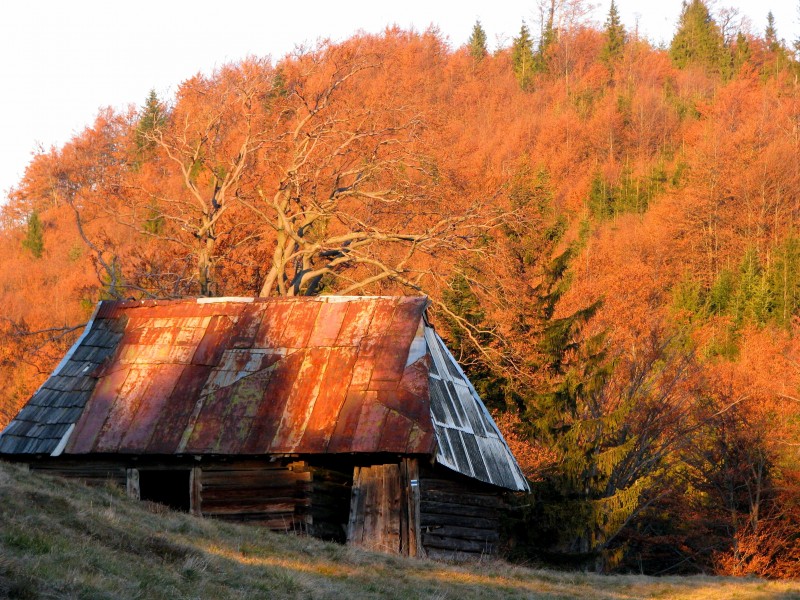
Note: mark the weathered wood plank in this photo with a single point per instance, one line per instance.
(195, 491)
(463, 499)
(132, 484)
(464, 533)
(431, 519)
(432, 540)
(287, 506)
(446, 508)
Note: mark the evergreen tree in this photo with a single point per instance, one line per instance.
(771, 34)
(546, 40)
(522, 58)
(784, 279)
(780, 55)
(477, 42)
(741, 51)
(34, 238)
(698, 41)
(615, 37)
(151, 118)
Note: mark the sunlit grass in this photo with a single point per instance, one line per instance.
(60, 539)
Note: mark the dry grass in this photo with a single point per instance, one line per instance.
(61, 539)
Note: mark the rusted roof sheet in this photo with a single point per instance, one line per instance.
(264, 376)
(240, 376)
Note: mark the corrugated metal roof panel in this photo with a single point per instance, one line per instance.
(468, 440)
(262, 376)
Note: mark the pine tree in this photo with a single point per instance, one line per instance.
(522, 58)
(784, 279)
(34, 238)
(741, 52)
(477, 42)
(151, 118)
(615, 37)
(698, 41)
(771, 34)
(546, 40)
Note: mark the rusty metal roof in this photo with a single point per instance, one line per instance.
(263, 376)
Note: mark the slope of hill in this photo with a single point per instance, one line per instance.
(607, 231)
(61, 539)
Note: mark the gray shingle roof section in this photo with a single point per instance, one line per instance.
(58, 403)
(468, 440)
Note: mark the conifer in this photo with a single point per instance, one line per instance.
(151, 118)
(615, 37)
(698, 41)
(771, 34)
(522, 60)
(34, 235)
(477, 42)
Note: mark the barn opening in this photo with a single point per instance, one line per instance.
(169, 487)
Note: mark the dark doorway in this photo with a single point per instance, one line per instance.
(165, 487)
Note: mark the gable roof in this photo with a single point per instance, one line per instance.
(245, 376)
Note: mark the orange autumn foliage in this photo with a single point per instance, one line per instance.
(427, 136)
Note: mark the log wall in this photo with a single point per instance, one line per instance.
(269, 494)
(458, 519)
(92, 473)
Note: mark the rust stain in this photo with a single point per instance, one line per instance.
(96, 412)
(300, 400)
(123, 410)
(328, 324)
(370, 423)
(395, 432)
(333, 392)
(355, 324)
(272, 375)
(270, 410)
(155, 403)
(173, 420)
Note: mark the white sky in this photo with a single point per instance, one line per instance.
(61, 61)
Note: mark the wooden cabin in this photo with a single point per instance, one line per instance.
(343, 417)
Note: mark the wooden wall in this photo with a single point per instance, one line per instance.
(395, 508)
(259, 492)
(459, 518)
(92, 473)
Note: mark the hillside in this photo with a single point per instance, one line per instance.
(60, 539)
(607, 231)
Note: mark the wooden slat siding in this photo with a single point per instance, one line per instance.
(355, 521)
(378, 502)
(275, 495)
(458, 517)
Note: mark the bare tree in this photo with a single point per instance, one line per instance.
(353, 201)
(210, 142)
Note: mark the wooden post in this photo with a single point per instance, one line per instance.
(132, 483)
(195, 491)
(411, 533)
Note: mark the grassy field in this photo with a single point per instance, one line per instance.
(60, 539)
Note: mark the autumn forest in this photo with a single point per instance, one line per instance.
(605, 229)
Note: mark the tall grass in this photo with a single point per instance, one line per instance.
(61, 539)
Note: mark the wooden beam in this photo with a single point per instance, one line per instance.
(196, 491)
(132, 484)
